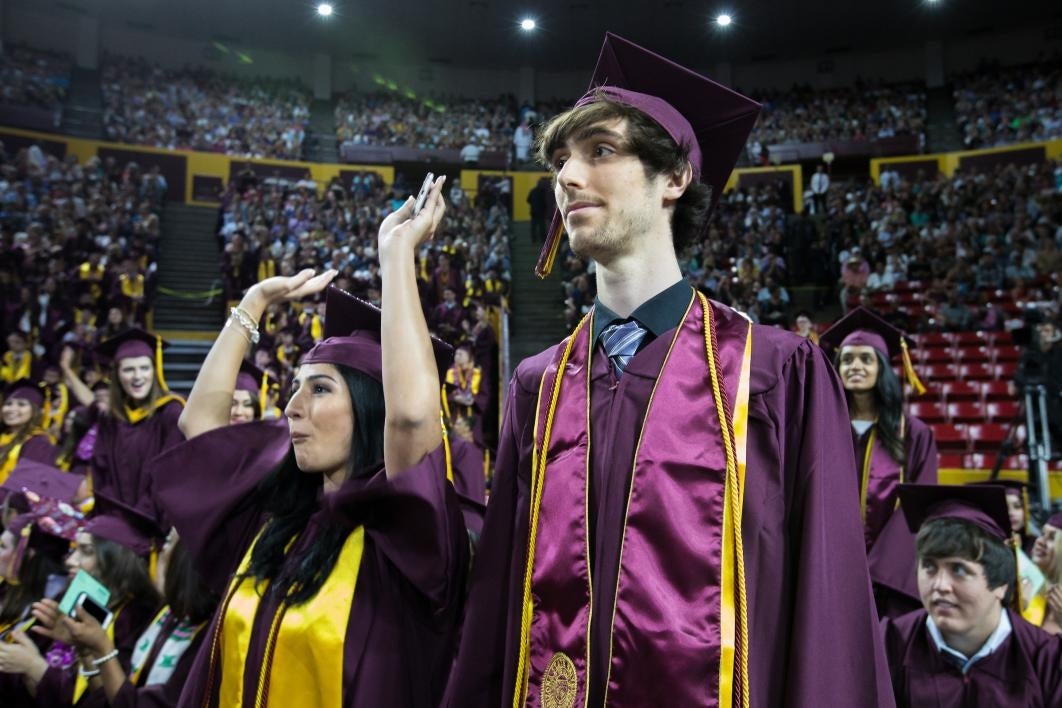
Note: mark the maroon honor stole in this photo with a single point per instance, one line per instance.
(678, 629)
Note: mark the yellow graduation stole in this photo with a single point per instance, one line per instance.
(11, 459)
(303, 664)
(132, 286)
(16, 366)
(267, 268)
(135, 415)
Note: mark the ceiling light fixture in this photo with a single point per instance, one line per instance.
(527, 24)
(724, 20)
(325, 9)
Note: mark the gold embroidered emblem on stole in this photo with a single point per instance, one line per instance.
(559, 683)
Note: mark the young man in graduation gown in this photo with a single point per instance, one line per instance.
(673, 516)
(967, 648)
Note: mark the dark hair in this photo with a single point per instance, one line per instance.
(81, 423)
(888, 398)
(945, 538)
(33, 574)
(184, 590)
(291, 496)
(646, 139)
(124, 573)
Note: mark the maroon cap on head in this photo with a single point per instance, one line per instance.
(1055, 520)
(124, 525)
(250, 379)
(31, 481)
(38, 530)
(26, 390)
(863, 327)
(132, 342)
(352, 337)
(712, 121)
(984, 506)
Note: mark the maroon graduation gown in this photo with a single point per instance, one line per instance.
(400, 638)
(122, 451)
(811, 613)
(891, 553)
(1024, 672)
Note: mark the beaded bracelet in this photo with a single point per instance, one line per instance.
(87, 674)
(105, 658)
(246, 322)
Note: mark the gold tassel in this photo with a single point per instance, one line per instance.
(446, 451)
(263, 395)
(158, 364)
(908, 367)
(549, 251)
(153, 562)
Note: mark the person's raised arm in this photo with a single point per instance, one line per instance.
(210, 401)
(412, 427)
(79, 388)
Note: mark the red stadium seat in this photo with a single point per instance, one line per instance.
(1001, 411)
(1006, 371)
(936, 355)
(940, 372)
(928, 412)
(952, 391)
(967, 339)
(997, 338)
(932, 339)
(951, 439)
(986, 437)
(951, 461)
(965, 412)
(976, 372)
(1007, 352)
(984, 461)
(973, 355)
(996, 391)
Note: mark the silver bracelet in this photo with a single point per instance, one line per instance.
(105, 658)
(246, 322)
(86, 674)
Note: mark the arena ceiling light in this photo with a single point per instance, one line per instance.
(325, 9)
(723, 19)
(528, 25)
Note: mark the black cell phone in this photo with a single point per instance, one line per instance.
(422, 197)
(100, 613)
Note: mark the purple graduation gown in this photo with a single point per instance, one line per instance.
(122, 451)
(400, 639)
(891, 553)
(811, 613)
(1024, 672)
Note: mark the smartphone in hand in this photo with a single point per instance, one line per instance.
(94, 609)
(422, 197)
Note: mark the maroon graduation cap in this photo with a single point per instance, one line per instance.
(352, 337)
(709, 119)
(127, 526)
(864, 327)
(27, 390)
(32, 480)
(984, 506)
(135, 342)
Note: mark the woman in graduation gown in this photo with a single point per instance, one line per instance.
(29, 556)
(24, 430)
(141, 420)
(966, 647)
(1045, 608)
(334, 537)
(891, 448)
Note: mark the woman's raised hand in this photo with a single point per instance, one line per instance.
(401, 232)
(283, 288)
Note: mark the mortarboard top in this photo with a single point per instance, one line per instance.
(1010, 486)
(27, 390)
(863, 327)
(40, 531)
(125, 526)
(352, 337)
(251, 378)
(31, 480)
(982, 505)
(1055, 520)
(709, 119)
(135, 342)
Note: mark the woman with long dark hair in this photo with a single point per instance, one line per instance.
(891, 448)
(333, 537)
(29, 556)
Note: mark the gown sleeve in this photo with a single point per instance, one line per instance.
(835, 656)
(922, 456)
(205, 487)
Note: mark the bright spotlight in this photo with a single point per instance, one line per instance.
(527, 24)
(325, 9)
(724, 20)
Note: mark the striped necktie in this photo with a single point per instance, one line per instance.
(621, 342)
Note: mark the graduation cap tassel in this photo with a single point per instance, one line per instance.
(549, 251)
(909, 369)
(158, 363)
(1015, 542)
(263, 394)
(19, 554)
(153, 562)
(446, 450)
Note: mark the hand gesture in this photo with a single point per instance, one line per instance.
(66, 358)
(401, 232)
(87, 633)
(285, 288)
(49, 622)
(19, 656)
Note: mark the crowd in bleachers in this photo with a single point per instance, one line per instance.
(270, 227)
(997, 106)
(861, 112)
(79, 249)
(31, 77)
(201, 109)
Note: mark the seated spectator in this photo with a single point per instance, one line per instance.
(996, 106)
